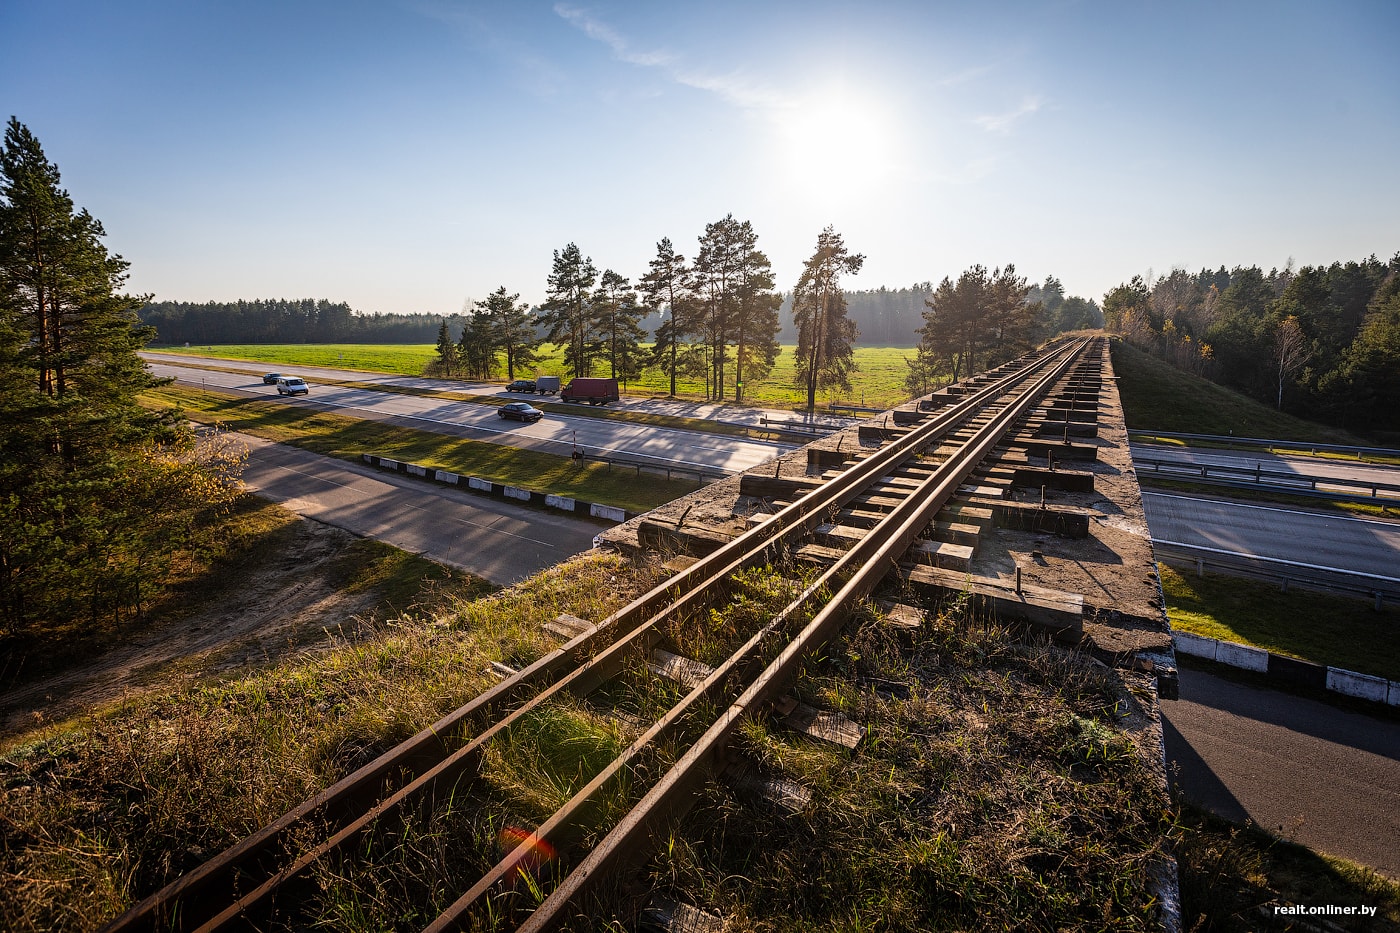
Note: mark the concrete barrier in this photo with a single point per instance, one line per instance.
(1362, 686)
(1286, 671)
(1245, 656)
(1198, 646)
(520, 494)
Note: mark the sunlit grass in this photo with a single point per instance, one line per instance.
(1339, 631)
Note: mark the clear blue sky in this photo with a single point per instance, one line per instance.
(404, 155)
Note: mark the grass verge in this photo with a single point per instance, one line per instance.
(347, 438)
(1325, 629)
(1232, 877)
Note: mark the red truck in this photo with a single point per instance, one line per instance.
(592, 391)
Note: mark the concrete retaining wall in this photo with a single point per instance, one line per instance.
(518, 493)
(1288, 671)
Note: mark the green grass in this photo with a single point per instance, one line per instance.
(347, 438)
(879, 382)
(1231, 876)
(1333, 630)
(1157, 396)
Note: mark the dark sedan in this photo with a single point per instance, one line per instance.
(520, 411)
(271, 379)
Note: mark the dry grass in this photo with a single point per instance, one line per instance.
(97, 817)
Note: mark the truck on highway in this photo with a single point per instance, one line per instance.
(592, 391)
(546, 385)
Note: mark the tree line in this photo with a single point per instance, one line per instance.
(281, 320)
(97, 493)
(1322, 342)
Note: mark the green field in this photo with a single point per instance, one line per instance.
(879, 382)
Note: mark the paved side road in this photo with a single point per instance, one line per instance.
(1324, 777)
(501, 542)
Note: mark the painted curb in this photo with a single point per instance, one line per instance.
(1288, 671)
(486, 487)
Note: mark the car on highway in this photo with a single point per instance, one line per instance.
(292, 385)
(271, 379)
(521, 385)
(520, 411)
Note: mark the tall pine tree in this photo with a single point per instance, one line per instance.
(568, 308)
(825, 336)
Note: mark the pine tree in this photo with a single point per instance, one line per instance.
(447, 362)
(513, 329)
(80, 335)
(735, 302)
(616, 314)
(825, 336)
(568, 311)
(667, 290)
(96, 492)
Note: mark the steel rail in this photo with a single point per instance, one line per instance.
(867, 563)
(194, 900)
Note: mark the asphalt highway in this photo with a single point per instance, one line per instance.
(1358, 545)
(1321, 776)
(502, 542)
(557, 433)
(1351, 471)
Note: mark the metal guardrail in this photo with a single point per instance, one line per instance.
(799, 427)
(700, 475)
(1295, 484)
(1271, 443)
(836, 409)
(1283, 572)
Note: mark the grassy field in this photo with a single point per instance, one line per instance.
(1334, 630)
(347, 438)
(1159, 397)
(878, 384)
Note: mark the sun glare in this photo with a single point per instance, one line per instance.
(836, 145)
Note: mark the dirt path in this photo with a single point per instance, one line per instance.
(276, 607)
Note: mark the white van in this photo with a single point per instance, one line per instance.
(292, 385)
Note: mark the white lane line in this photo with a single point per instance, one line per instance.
(1392, 526)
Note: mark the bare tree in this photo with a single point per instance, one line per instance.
(1291, 351)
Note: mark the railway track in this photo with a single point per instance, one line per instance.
(259, 881)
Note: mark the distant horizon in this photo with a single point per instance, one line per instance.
(411, 155)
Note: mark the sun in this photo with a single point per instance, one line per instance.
(835, 144)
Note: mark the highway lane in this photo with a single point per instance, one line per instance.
(1325, 777)
(556, 433)
(1350, 470)
(1358, 545)
(677, 408)
(502, 542)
